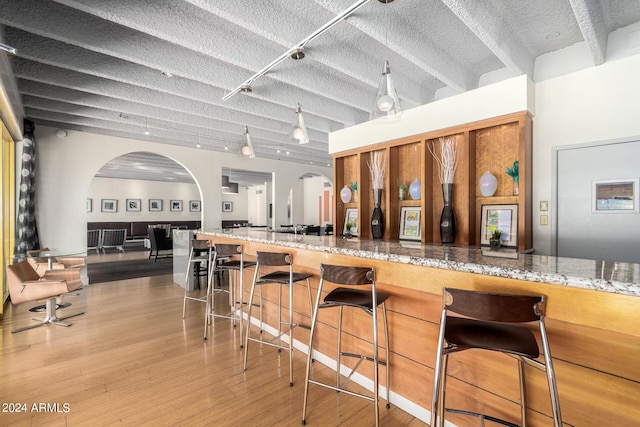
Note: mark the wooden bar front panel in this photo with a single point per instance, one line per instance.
(594, 338)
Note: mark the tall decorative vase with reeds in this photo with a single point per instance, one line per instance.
(377, 166)
(447, 161)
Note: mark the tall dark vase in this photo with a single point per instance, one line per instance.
(377, 219)
(447, 218)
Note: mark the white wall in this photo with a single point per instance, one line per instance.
(123, 189)
(597, 104)
(505, 97)
(258, 204)
(240, 205)
(67, 166)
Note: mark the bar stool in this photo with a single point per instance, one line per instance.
(366, 299)
(488, 325)
(228, 257)
(287, 278)
(201, 252)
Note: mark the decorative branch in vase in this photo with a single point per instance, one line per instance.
(514, 173)
(447, 161)
(354, 188)
(377, 167)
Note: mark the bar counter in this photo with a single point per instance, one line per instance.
(593, 322)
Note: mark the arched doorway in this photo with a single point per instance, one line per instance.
(139, 190)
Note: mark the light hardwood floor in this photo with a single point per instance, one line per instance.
(132, 360)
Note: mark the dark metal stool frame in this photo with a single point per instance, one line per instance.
(201, 252)
(369, 301)
(489, 325)
(287, 278)
(228, 257)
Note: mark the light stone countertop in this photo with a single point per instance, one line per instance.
(604, 276)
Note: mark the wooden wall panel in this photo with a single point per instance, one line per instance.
(490, 144)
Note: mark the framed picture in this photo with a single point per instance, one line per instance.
(194, 205)
(503, 218)
(227, 206)
(351, 218)
(134, 205)
(155, 205)
(109, 205)
(175, 205)
(410, 228)
(615, 196)
(89, 205)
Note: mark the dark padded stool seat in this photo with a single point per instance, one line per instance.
(282, 277)
(495, 336)
(354, 298)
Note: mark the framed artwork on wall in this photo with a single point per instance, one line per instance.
(175, 206)
(134, 205)
(410, 228)
(227, 206)
(155, 205)
(194, 205)
(503, 218)
(89, 205)
(350, 222)
(109, 205)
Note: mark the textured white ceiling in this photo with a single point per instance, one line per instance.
(97, 66)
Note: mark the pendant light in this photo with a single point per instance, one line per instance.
(387, 103)
(146, 127)
(247, 148)
(299, 130)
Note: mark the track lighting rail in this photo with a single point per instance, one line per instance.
(300, 45)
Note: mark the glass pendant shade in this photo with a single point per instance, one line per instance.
(298, 129)
(387, 102)
(488, 184)
(247, 148)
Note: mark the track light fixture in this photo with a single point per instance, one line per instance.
(298, 53)
(9, 49)
(299, 130)
(146, 127)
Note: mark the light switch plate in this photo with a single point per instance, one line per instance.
(544, 205)
(544, 219)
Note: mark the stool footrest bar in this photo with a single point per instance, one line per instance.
(341, 390)
(482, 417)
(361, 356)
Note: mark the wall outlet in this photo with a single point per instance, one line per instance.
(544, 219)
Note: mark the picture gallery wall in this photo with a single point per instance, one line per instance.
(111, 199)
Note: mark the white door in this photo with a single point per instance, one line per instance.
(599, 235)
